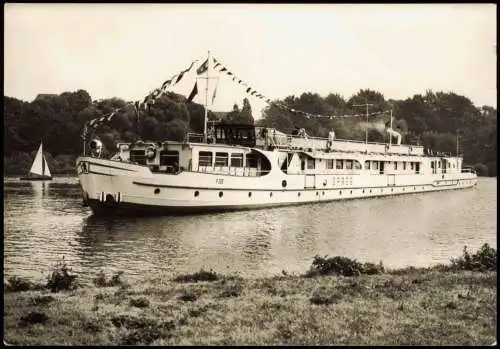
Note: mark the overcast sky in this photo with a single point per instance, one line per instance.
(127, 50)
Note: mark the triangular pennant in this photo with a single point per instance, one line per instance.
(193, 92)
(180, 77)
(215, 92)
(248, 89)
(165, 84)
(203, 68)
(223, 69)
(110, 116)
(191, 66)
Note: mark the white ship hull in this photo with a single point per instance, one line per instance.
(124, 188)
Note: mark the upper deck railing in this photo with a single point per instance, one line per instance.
(285, 141)
(195, 137)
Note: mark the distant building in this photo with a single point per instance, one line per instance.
(45, 95)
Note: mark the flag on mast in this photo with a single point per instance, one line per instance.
(215, 91)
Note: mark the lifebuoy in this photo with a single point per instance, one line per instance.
(150, 153)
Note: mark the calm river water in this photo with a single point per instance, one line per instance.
(44, 221)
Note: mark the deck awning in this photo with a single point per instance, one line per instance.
(360, 156)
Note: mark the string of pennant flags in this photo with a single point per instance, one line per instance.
(149, 100)
(153, 96)
(157, 93)
(252, 92)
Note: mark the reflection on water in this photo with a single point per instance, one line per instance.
(44, 221)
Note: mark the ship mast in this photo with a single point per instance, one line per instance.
(43, 159)
(390, 135)
(206, 100)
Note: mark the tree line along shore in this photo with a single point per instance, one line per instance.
(432, 119)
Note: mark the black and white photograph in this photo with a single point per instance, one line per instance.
(250, 174)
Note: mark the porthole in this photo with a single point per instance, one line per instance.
(196, 194)
(323, 193)
(351, 192)
(317, 193)
(157, 191)
(340, 192)
(363, 191)
(298, 194)
(414, 188)
(283, 183)
(392, 189)
(381, 190)
(370, 190)
(270, 194)
(422, 188)
(249, 194)
(221, 194)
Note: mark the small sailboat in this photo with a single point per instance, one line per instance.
(39, 169)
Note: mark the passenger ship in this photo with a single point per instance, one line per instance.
(232, 167)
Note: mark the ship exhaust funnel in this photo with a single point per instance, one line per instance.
(393, 133)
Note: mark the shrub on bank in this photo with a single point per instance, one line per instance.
(485, 259)
(61, 278)
(17, 284)
(342, 266)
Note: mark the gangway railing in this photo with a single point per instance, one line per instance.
(468, 170)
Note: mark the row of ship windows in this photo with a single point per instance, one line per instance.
(223, 159)
(221, 194)
(236, 160)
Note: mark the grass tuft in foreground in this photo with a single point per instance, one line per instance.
(201, 275)
(101, 280)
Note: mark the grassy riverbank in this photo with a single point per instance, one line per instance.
(454, 304)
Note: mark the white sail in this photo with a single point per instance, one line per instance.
(36, 168)
(47, 171)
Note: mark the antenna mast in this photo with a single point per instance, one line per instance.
(366, 128)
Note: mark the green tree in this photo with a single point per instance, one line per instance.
(246, 116)
(233, 116)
